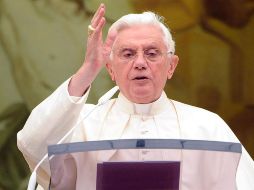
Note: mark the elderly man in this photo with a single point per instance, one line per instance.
(139, 56)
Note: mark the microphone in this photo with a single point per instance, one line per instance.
(103, 99)
(106, 97)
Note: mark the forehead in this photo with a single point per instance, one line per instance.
(140, 35)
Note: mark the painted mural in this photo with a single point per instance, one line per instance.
(42, 43)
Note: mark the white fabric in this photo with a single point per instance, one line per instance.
(121, 119)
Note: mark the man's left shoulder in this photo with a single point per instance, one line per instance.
(203, 122)
(194, 112)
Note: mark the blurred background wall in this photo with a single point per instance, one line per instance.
(42, 43)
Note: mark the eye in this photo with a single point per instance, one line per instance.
(127, 54)
(152, 53)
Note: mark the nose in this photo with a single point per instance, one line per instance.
(140, 62)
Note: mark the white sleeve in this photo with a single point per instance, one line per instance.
(245, 172)
(47, 124)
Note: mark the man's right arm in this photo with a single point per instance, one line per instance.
(47, 124)
(95, 57)
(57, 114)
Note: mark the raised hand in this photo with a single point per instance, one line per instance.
(97, 54)
(94, 52)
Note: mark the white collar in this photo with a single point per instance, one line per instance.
(156, 107)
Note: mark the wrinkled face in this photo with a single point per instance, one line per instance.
(141, 63)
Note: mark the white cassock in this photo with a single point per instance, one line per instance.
(121, 119)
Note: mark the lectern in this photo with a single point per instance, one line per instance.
(144, 164)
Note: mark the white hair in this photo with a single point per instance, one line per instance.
(146, 18)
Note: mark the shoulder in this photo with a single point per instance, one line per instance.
(200, 121)
(189, 111)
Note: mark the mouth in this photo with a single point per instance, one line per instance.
(141, 78)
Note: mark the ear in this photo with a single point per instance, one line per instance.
(110, 71)
(173, 61)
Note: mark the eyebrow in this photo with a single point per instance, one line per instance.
(145, 46)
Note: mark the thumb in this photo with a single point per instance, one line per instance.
(109, 42)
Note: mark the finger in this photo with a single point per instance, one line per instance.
(98, 29)
(98, 13)
(98, 18)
